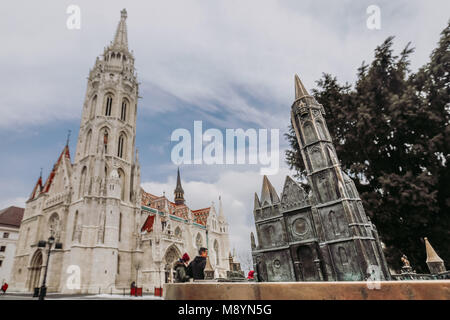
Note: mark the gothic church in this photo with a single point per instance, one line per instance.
(104, 222)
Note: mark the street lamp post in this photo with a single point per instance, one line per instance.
(43, 290)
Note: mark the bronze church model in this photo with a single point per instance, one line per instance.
(321, 236)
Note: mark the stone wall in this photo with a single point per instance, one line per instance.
(354, 290)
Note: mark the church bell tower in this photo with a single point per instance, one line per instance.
(106, 171)
(106, 139)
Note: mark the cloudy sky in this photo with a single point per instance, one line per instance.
(229, 63)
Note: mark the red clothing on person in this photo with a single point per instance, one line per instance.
(185, 257)
(250, 274)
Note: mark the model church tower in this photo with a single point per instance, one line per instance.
(323, 235)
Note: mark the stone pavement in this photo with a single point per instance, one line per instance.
(58, 296)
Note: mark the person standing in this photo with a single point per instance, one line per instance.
(196, 268)
(181, 268)
(4, 287)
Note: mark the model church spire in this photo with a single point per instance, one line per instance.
(434, 262)
(300, 90)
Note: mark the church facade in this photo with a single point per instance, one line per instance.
(323, 235)
(107, 226)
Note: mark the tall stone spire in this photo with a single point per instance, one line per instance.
(300, 90)
(121, 37)
(179, 192)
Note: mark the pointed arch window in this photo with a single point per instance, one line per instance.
(317, 158)
(321, 130)
(343, 256)
(123, 114)
(309, 133)
(108, 109)
(54, 226)
(198, 241)
(334, 222)
(93, 105)
(120, 226)
(105, 141)
(88, 142)
(82, 182)
(120, 146)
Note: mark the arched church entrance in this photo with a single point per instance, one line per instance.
(35, 270)
(171, 256)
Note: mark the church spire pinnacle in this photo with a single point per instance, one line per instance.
(121, 37)
(68, 137)
(300, 90)
(434, 262)
(179, 192)
(268, 193)
(221, 215)
(432, 256)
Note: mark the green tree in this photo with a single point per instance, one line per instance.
(390, 131)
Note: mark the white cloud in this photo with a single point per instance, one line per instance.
(212, 55)
(17, 202)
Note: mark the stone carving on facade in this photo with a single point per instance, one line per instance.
(293, 195)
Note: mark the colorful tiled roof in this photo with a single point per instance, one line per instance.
(147, 198)
(48, 182)
(37, 189)
(179, 210)
(201, 215)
